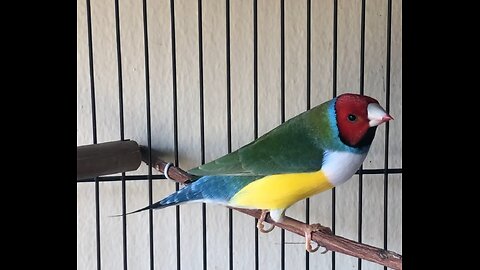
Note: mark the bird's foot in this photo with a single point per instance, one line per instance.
(317, 227)
(260, 225)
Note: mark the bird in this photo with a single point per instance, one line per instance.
(310, 153)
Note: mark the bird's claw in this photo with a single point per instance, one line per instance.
(308, 236)
(260, 225)
(317, 227)
(308, 246)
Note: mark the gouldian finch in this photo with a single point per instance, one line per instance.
(312, 152)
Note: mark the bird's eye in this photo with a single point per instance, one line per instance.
(352, 117)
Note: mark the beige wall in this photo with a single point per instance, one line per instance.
(133, 64)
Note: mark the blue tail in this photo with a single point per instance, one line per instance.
(183, 195)
(212, 188)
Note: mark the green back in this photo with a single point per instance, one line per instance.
(297, 145)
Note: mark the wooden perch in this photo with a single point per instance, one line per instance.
(328, 241)
(175, 173)
(106, 158)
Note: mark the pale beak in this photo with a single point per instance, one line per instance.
(386, 118)
(377, 115)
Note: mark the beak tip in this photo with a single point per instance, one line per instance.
(387, 118)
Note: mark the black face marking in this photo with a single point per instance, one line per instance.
(365, 141)
(367, 138)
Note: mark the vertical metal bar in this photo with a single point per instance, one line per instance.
(149, 132)
(335, 22)
(282, 59)
(94, 129)
(309, 72)
(282, 104)
(335, 13)
(202, 127)
(309, 52)
(255, 103)
(229, 126)
(362, 90)
(122, 130)
(362, 49)
(175, 122)
(387, 125)
(92, 72)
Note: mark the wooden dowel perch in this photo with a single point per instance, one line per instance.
(106, 158)
(328, 241)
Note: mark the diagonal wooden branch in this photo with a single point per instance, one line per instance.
(328, 241)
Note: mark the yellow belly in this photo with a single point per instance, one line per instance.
(281, 190)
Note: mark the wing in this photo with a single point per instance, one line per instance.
(289, 148)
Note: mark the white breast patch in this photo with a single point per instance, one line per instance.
(341, 166)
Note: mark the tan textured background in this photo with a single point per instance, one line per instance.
(241, 27)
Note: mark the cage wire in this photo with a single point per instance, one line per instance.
(122, 69)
